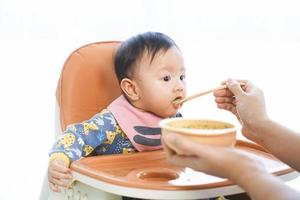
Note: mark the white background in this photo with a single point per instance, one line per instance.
(254, 40)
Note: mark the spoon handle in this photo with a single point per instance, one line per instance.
(203, 93)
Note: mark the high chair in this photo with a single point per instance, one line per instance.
(87, 85)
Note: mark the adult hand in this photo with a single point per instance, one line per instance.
(219, 161)
(246, 102)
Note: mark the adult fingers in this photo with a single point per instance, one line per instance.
(223, 93)
(187, 161)
(227, 106)
(180, 145)
(235, 88)
(224, 99)
(249, 87)
(169, 151)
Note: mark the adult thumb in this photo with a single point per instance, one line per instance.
(235, 87)
(179, 144)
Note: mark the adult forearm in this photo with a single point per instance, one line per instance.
(261, 186)
(280, 141)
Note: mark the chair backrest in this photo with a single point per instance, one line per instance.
(87, 82)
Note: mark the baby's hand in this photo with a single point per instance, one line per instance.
(59, 175)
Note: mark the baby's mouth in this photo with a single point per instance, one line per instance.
(176, 101)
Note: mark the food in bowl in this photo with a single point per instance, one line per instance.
(212, 132)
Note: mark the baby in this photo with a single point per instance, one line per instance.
(151, 73)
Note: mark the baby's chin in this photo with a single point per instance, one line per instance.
(170, 114)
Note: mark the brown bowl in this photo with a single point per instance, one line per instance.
(212, 132)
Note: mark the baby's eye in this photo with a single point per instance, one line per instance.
(167, 78)
(182, 77)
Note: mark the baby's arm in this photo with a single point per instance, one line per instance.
(77, 141)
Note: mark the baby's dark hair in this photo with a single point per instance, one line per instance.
(133, 49)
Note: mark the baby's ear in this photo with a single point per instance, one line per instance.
(130, 89)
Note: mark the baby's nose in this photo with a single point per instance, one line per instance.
(179, 87)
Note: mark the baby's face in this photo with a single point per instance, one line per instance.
(161, 82)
